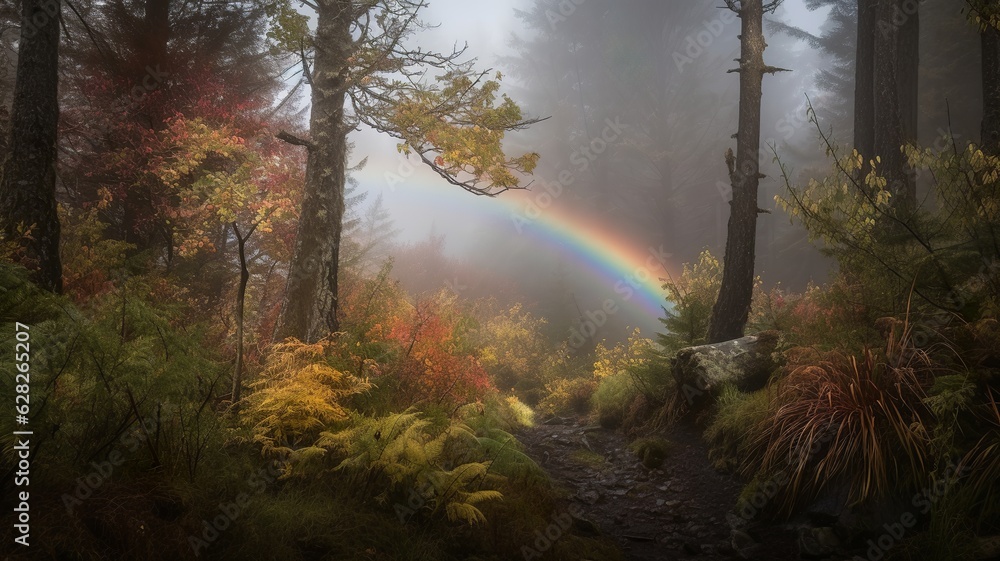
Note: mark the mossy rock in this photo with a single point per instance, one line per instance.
(746, 363)
(651, 450)
(610, 417)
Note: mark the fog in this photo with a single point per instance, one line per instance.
(631, 184)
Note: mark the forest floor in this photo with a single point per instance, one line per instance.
(675, 512)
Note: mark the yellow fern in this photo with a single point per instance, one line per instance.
(297, 396)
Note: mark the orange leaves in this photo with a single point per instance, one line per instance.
(433, 366)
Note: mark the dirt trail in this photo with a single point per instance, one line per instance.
(675, 512)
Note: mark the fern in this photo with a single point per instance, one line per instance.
(298, 395)
(404, 453)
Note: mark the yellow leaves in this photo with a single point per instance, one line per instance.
(460, 129)
(104, 198)
(464, 511)
(882, 197)
(629, 356)
(218, 178)
(409, 451)
(852, 162)
(298, 394)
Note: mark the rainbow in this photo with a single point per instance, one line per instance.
(630, 274)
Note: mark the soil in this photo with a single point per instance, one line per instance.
(676, 511)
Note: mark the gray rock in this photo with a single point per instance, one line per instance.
(585, 527)
(817, 543)
(742, 541)
(746, 362)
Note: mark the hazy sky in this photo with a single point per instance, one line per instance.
(424, 201)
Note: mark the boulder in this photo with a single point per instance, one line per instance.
(746, 363)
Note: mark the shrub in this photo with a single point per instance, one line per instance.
(119, 375)
(651, 450)
(433, 364)
(510, 346)
(567, 397)
(692, 297)
(624, 373)
(843, 418)
(611, 398)
(736, 414)
(298, 395)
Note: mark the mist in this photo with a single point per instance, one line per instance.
(655, 180)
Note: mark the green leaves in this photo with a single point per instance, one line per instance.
(693, 294)
(457, 127)
(416, 459)
(289, 29)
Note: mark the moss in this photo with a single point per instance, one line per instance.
(588, 458)
(651, 450)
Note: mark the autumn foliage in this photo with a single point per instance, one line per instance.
(434, 365)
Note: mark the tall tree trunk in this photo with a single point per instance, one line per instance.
(309, 309)
(908, 82)
(28, 186)
(156, 20)
(864, 85)
(156, 52)
(889, 137)
(732, 308)
(991, 90)
(908, 55)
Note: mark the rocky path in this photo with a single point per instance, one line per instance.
(675, 512)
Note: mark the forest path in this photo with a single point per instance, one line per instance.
(675, 512)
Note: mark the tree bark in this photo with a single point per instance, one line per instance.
(28, 185)
(309, 309)
(156, 19)
(864, 85)
(241, 296)
(990, 138)
(889, 135)
(729, 316)
(908, 55)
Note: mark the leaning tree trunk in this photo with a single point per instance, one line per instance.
(309, 309)
(991, 90)
(28, 186)
(729, 316)
(864, 85)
